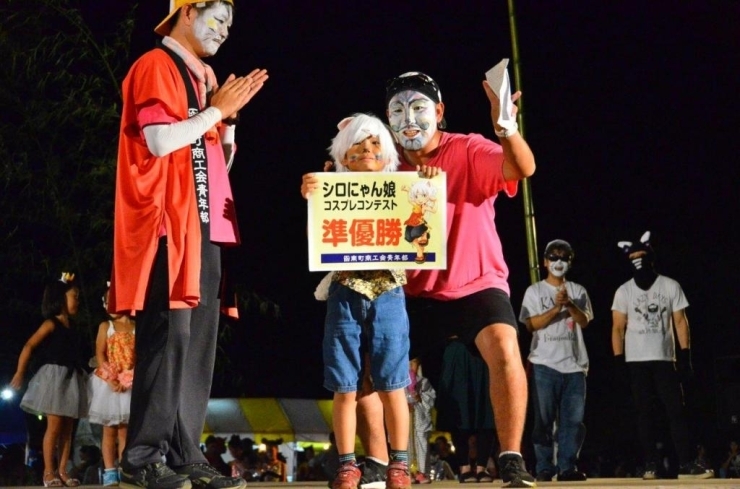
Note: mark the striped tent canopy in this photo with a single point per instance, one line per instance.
(290, 419)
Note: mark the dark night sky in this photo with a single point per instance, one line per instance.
(630, 108)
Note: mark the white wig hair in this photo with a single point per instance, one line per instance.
(422, 188)
(357, 128)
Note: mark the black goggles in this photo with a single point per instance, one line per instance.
(553, 258)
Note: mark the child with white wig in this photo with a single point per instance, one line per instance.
(366, 326)
(357, 128)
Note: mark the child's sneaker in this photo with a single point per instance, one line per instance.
(347, 477)
(398, 476)
(513, 473)
(111, 477)
(373, 474)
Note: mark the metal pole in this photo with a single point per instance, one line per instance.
(529, 226)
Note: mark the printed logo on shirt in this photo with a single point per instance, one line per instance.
(652, 308)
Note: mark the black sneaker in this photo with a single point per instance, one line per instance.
(545, 476)
(511, 468)
(152, 476)
(651, 472)
(373, 474)
(571, 475)
(692, 470)
(203, 476)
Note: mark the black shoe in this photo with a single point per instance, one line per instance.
(203, 476)
(466, 477)
(651, 472)
(692, 470)
(373, 474)
(152, 476)
(511, 468)
(484, 476)
(572, 475)
(545, 476)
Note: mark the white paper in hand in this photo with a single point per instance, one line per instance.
(498, 79)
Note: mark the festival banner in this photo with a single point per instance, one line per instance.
(376, 220)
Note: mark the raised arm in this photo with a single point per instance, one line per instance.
(518, 157)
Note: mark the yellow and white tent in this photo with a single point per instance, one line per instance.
(293, 420)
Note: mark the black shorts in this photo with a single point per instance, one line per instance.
(433, 321)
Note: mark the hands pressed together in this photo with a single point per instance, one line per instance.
(236, 92)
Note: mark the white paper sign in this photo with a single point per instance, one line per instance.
(498, 79)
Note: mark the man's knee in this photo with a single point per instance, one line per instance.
(498, 343)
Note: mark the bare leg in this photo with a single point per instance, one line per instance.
(122, 432)
(507, 382)
(110, 433)
(65, 443)
(345, 421)
(397, 418)
(53, 430)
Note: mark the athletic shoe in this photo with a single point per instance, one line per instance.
(111, 477)
(545, 476)
(651, 472)
(398, 476)
(347, 477)
(572, 475)
(511, 468)
(692, 470)
(152, 476)
(204, 476)
(373, 474)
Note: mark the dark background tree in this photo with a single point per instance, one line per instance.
(61, 99)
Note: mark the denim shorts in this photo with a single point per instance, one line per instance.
(356, 325)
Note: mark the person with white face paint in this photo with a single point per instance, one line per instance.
(173, 212)
(471, 298)
(555, 311)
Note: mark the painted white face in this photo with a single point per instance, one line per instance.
(558, 268)
(211, 27)
(413, 118)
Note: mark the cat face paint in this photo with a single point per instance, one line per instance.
(211, 27)
(365, 155)
(413, 118)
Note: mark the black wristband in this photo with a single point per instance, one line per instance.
(232, 121)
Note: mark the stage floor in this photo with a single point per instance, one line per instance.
(606, 483)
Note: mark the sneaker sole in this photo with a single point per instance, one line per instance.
(696, 476)
(373, 485)
(519, 483)
(127, 485)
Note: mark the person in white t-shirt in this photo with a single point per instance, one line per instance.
(645, 312)
(555, 311)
